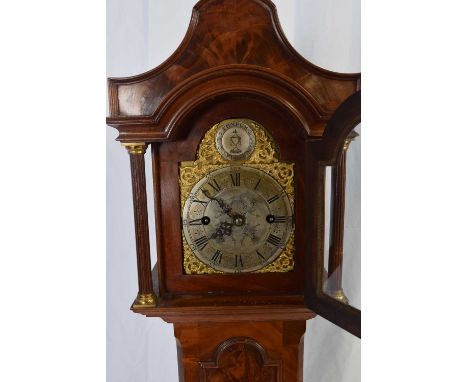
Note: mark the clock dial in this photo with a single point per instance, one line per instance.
(235, 140)
(237, 219)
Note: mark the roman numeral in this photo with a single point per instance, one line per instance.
(274, 240)
(261, 256)
(235, 178)
(239, 263)
(201, 242)
(214, 185)
(256, 186)
(217, 257)
(280, 219)
(200, 201)
(273, 199)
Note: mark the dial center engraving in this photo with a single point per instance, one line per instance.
(243, 211)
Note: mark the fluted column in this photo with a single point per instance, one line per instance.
(335, 259)
(146, 296)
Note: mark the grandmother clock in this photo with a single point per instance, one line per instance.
(241, 128)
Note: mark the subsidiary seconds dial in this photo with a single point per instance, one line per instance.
(237, 219)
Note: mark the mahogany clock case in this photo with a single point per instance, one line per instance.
(235, 62)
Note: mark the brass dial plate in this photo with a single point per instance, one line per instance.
(263, 158)
(237, 219)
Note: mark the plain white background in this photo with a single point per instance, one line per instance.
(53, 192)
(140, 36)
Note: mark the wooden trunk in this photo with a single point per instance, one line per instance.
(270, 351)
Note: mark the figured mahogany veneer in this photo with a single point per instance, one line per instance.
(231, 47)
(270, 351)
(241, 358)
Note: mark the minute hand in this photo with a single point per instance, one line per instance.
(224, 206)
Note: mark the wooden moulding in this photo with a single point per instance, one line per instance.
(226, 308)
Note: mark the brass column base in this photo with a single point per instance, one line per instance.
(145, 300)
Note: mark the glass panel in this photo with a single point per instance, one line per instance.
(342, 248)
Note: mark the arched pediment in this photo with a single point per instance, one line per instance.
(227, 40)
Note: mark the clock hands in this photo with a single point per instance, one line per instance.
(225, 228)
(224, 206)
(249, 231)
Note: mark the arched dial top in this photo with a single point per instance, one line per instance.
(237, 219)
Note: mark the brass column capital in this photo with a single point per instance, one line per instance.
(136, 147)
